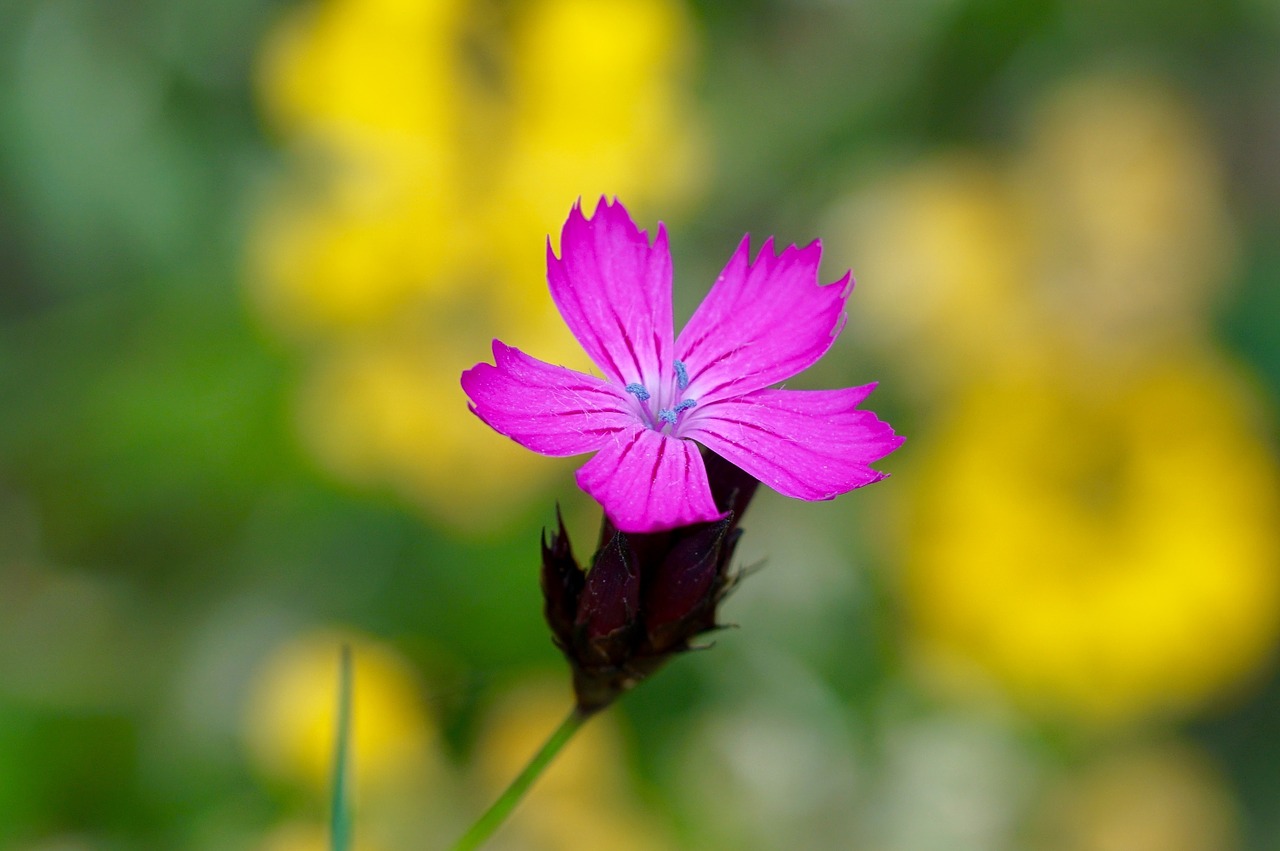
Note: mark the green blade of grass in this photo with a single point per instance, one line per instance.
(339, 805)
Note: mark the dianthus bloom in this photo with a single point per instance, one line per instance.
(764, 321)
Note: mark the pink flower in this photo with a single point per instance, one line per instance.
(763, 322)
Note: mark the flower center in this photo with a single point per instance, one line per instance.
(666, 416)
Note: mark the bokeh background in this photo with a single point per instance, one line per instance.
(246, 248)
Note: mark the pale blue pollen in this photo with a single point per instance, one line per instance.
(682, 375)
(669, 415)
(638, 391)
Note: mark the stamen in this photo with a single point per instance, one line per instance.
(682, 375)
(638, 391)
(669, 415)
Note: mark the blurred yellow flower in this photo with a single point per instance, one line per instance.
(1098, 501)
(290, 720)
(1103, 541)
(582, 799)
(1109, 224)
(1127, 198)
(1157, 798)
(946, 252)
(433, 145)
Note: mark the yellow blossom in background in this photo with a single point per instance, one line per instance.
(1155, 798)
(290, 718)
(433, 146)
(945, 250)
(1109, 223)
(1093, 523)
(597, 102)
(1102, 541)
(366, 96)
(582, 801)
(1127, 198)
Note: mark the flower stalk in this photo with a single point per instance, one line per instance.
(498, 812)
(643, 601)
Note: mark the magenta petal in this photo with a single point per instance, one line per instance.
(648, 482)
(614, 291)
(549, 409)
(807, 444)
(762, 322)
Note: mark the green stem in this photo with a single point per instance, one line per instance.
(340, 805)
(501, 808)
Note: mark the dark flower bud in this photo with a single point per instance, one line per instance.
(682, 591)
(646, 596)
(562, 581)
(609, 606)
